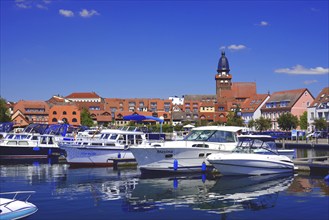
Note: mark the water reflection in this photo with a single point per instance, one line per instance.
(99, 184)
(221, 195)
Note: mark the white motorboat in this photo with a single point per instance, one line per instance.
(252, 156)
(113, 144)
(188, 155)
(12, 208)
(29, 145)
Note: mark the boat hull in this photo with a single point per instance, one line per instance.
(179, 160)
(95, 156)
(28, 152)
(246, 164)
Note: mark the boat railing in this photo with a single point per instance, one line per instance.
(16, 193)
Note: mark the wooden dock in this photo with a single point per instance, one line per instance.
(121, 162)
(303, 145)
(315, 165)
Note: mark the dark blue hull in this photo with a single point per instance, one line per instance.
(29, 152)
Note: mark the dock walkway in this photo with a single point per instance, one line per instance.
(317, 165)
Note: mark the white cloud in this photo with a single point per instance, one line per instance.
(66, 13)
(263, 23)
(308, 82)
(23, 4)
(27, 4)
(235, 47)
(299, 69)
(87, 14)
(41, 6)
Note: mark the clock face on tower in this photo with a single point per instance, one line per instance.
(223, 73)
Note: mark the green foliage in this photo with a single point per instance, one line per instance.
(199, 123)
(251, 123)
(234, 119)
(287, 121)
(303, 121)
(4, 114)
(320, 124)
(86, 118)
(178, 127)
(262, 124)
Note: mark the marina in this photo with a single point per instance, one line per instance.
(122, 191)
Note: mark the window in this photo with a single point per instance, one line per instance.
(64, 112)
(54, 113)
(54, 120)
(74, 120)
(74, 113)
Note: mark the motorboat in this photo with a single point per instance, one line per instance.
(188, 155)
(29, 145)
(112, 144)
(252, 156)
(14, 208)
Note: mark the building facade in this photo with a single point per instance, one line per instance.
(318, 109)
(295, 102)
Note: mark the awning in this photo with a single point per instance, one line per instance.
(188, 126)
(136, 117)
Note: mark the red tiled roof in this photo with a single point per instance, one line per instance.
(86, 95)
(291, 96)
(252, 104)
(323, 97)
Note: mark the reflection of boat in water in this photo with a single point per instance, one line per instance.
(100, 184)
(34, 171)
(14, 207)
(153, 193)
(227, 194)
(236, 193)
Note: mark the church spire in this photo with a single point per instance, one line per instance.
(223, 65)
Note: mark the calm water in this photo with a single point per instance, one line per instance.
(104, 193)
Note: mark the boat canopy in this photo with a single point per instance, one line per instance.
(6, 126)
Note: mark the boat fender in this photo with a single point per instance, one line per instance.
(175, 164)
(36, 148)
(203, 166)
(326, 178)
(119, 155)
(49, 151)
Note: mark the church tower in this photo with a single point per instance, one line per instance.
(223, 78)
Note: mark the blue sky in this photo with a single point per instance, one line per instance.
(157, 49)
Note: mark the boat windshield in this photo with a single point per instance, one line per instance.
(212, 136)
(255, 146)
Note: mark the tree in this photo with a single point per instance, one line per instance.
(201, 122)
(86, 118)
(251, 123)
(262, 124)
(287, 121)
(320, 124)
(234, 118)
(303, 121)
(4, 114)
